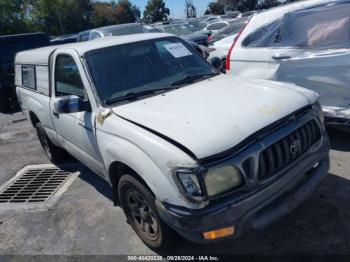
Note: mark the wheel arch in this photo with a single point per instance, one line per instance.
(34, 119)
(116, 170)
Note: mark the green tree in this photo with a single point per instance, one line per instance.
(120, 12)
(62, 16)
(126, 12)
(103, 14)
(266, 4)
(13, 17)
(230, 5)
(215, 8)
(240, 5)
(247, 5)
(155, 11)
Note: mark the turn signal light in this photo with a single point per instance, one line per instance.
(219, 233)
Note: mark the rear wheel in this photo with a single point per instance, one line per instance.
(55, 154)
(140, 210)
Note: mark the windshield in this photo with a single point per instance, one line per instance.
(178, 30)
(158, 64)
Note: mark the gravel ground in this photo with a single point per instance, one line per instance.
(84, 221)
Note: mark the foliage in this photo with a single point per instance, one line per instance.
(155, 11)
(241, 5)
(123, 11)
(265, 4)
(58, 17)
(247, 5)
(62, 16)
(215, 8)
(126, 12)
(13, 17)
(103, 14)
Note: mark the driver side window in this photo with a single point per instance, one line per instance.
(67, 78)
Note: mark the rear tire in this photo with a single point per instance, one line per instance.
(55, 154)
(140, 210)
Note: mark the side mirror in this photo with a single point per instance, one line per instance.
(71, 104)
(217, 63)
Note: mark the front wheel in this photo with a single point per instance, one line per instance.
(140, 210)
(54, 153)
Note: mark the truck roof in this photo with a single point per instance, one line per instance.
(41, 56)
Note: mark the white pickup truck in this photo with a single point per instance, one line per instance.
(186, 149)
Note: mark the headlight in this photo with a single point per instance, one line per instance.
(318, 108)
(190, 183)
(222, 179)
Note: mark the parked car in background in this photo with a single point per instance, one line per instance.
(223, 39)
(197, 24)
(129, 29)
(306, 43)
(65, 39)
(121, 29)
(248, 14)
(84, 36)
(231, 14)
(185, 31)
(212, 18)
(184, 148)
(233, 28)
(215, 27)
(9, 46)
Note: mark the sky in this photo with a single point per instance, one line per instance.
(177, 7)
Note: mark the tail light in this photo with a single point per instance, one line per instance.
(228, 57)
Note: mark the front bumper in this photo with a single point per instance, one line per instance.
(255, 211)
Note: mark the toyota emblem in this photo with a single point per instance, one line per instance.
(295, 146)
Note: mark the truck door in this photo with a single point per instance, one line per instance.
(75, 131)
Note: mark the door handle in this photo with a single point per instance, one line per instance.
(281, 57)
(55, 114)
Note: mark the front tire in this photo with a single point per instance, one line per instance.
(54, 154)
(140, 210)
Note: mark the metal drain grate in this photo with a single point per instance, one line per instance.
(34, 186)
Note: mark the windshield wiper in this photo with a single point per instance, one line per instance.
(192, 78)
(131, 96)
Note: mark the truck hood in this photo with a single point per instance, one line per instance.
(214, 115)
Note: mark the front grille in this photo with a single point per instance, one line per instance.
(282, 153)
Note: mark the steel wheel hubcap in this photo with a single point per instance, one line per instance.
(142, 215)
